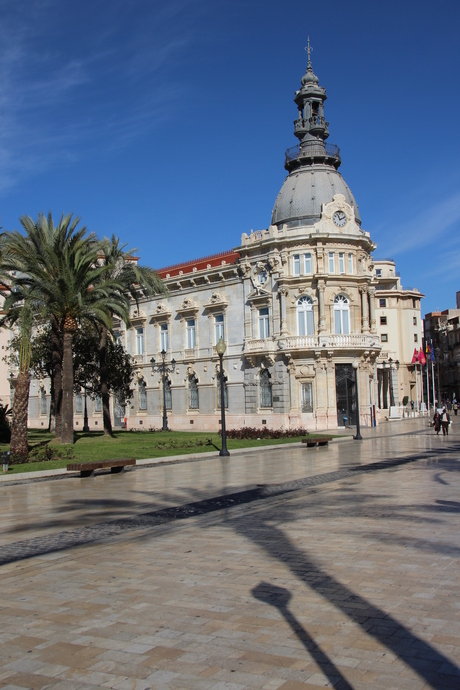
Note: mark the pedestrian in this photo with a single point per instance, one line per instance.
(445, 419)
(455, 406)
(437, 422)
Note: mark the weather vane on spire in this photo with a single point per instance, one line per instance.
(309, 51)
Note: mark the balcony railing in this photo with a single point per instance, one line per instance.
(332, 340)
(315, 151)
(314, 342)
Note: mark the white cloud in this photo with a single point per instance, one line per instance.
(424, 229)
(98, 87)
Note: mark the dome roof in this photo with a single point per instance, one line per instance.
(305, 190)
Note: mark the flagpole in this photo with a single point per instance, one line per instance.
(427, 387)
(416, 385)
(432, 374)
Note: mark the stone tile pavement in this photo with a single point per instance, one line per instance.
(295, 568)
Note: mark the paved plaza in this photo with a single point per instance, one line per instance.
(285, 568)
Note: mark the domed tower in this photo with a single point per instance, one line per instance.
(312, 165)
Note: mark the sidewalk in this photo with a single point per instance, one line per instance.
(347, 434)
(345, 574)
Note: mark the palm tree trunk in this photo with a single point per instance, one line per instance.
(56, 374)
(67, 390)
(19, 447)
(103, 380)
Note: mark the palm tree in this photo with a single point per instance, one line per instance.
(58, 267)
(137, 281)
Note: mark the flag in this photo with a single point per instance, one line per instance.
(421, 357)
(428, 350)
(432, 351)
(415, 356)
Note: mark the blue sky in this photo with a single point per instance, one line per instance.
(166, 123)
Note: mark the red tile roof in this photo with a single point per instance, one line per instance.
(214, 260)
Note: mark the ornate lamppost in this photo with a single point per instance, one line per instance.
(163, 369)
(85, 414)
(358, 436)
(220, 349)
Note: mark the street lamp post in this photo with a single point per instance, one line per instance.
(220, 349)
(163, 369)
(358, 436)
(85, 415)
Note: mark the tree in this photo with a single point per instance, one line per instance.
(137, 281)
(58, 267)
(19, 446)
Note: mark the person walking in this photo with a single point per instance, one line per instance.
(437, 422)
(445, 419)
(455, 407)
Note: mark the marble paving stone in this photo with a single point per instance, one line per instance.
(344, 574)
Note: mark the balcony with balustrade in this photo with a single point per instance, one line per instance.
(309, 343)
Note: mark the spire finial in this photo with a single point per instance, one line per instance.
(309, 51)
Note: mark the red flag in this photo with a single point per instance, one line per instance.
(421, 357)
(428, 349)
(415, 356)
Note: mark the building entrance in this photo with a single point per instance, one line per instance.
(345, 390)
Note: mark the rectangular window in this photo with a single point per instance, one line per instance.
(307, 397)
(98, 404)
(142, 396)
(264, 326)
(414, 320)
(307, 265)
(218, 327)
(384, 337)
(383, 320)
(78, 403)
(331, 262)
(296, 271)
(43, 409)
(190, 328)
(415, 338)
(139, 341)
(378, 272)
(341, 262)
(350, 264)
(164, 339)
(382, 302)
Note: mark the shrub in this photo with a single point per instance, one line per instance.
(46, 453)
(5, 430)
(405, 400)
(249, 432)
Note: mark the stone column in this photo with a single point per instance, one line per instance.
(373, 324)
(322, 311)
(364, 310)
(283, 293)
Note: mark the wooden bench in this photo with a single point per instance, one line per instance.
(86, 469)
(312, 441)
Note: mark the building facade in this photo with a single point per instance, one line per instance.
(302, 306)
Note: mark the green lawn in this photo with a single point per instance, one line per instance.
(95, 446)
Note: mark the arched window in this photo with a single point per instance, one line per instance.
(142, 395)
(305, 319)
(193, 400)
(225, 392)
(341, 315)
(265, 389)
(168, 396)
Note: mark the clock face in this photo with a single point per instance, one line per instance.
(339, 219)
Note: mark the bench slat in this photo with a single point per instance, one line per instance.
(89, 467)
